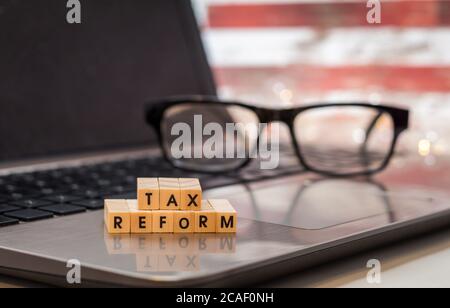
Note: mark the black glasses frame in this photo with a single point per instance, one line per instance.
(155, 110)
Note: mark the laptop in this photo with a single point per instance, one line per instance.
(73, 132)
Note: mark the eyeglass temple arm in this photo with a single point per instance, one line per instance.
(369, 130)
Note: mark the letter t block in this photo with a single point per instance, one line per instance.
(148, 194)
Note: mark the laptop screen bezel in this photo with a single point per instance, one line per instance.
(203, 72)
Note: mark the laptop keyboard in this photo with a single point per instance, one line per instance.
(46, 194)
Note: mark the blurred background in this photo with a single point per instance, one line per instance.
(293, 52)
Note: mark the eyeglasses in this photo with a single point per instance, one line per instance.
(345, 139)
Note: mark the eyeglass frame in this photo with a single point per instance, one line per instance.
(154, 114)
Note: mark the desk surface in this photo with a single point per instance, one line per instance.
(421, 262)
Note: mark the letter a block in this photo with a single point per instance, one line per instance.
(183, 222)
(148, 193)
(226, 218)
(190, 194)
(117, 216)
(141, 221)
(205, 219)
(169, 194)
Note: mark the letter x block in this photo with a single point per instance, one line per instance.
(117, 216)
(226, 218)
(148, 193)
(190, 194)
(169, 194)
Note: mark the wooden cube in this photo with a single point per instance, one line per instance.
(205, 219)
(183, 222)
(190, 194)
(189, 181)
(170, 180)
(162, 221)
(141, 221)
(226, 218)
(169, 195)
(148, 193)
(117, 216)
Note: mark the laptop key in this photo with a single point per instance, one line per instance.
(48, 191)
(62, 198)
(92, 204)
(16, 196)
(7, 208)
(90, 194)
(30, 203)
(29, 215)
(6, 221)
(63, 209)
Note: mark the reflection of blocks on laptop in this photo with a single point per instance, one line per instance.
(205, 243)
(225, 243)
(118, 244)
(146, 263)
(141, 243)
(178, 262)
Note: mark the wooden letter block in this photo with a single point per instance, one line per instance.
(148, 193)
(162, 221)
(117, 216)
(141, 221)
(183, 222)
(169, 194)
(226, 219)
(170, 180)
(190, 194)
(205, 219)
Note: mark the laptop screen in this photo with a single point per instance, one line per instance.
(67, 87)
